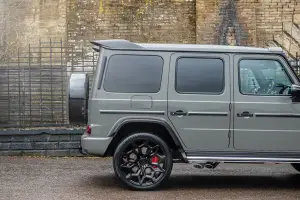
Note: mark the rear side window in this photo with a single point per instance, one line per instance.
(133, 74)
(199, 75)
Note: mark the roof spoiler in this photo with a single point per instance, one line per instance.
(96, 49)
(115, 44)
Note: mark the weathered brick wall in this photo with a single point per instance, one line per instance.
(135, 20)
(26, 22)
(250, 22)
(235, 22)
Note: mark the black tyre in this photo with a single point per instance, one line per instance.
(296, 166)
(143, 161)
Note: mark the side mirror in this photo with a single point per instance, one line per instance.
(295, 92)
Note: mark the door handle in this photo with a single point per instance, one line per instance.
(245, 114)
(179, 113)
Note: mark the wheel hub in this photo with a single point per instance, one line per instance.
(143, 161)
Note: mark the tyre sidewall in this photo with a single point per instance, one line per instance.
(137, 136)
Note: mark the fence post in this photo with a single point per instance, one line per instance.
(82, 60)
(41, 93)
(19, 84)
(29, 63)
(51, 82)
(62, 81)
(8, 92)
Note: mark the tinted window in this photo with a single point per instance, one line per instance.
(268, 77)
(133, 74)
(199, 75)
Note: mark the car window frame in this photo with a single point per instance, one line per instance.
(200, 57)
(128, 54)
(262, 95)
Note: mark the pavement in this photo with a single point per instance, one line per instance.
(42, 178)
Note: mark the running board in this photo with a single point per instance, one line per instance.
(198, 159)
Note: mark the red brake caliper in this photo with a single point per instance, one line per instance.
(155, 160)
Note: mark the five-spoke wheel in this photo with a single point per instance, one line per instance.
(143, 161)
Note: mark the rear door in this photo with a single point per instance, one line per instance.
(199, 98)
(265, 117)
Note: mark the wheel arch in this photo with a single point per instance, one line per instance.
(128, 126)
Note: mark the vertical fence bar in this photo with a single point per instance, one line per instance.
(30, 92)
(72, 59)
(41, 93)
(51, 81)
(24, 94)
(62, 81)
(296, 64)
(82, 60)
(93, 62)
(8, 93)
(19, 84)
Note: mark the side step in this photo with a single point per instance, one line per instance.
(228, 159)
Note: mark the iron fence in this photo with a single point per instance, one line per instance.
(295, 63)
(33, 84)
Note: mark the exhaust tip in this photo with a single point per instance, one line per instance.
(209, 166)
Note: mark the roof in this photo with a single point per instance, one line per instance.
(118, 44)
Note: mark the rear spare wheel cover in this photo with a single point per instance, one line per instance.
(78, 95)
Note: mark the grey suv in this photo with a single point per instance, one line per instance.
(151, 105)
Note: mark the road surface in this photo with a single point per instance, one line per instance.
(38, 178)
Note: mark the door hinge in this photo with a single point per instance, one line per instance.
(230, 106)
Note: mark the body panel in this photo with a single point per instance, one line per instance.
(108, 110)
(274, 121)
(206, 125)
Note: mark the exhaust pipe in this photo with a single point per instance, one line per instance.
(211, 165)
(208, 165)
(199, 165)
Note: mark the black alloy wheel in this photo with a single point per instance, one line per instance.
(143, 161)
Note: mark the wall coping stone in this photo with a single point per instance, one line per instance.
(35, 131)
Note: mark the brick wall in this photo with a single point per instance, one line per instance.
(250, 22)
(135, 20)
(26, 22)
(235, 22)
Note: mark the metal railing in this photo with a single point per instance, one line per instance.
(295, 63)
(33, 84)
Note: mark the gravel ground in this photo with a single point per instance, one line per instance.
(93, 178)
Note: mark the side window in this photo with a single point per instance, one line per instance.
(263, 77)
(133, 74)
(199, 75)
(249, 83)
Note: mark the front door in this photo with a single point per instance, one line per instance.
(265, 118)
(199, 98)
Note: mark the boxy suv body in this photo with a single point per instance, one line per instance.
(154, 104)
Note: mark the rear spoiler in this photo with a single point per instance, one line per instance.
(97, 49)
(116, 44)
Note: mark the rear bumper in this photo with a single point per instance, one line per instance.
(94, 146)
